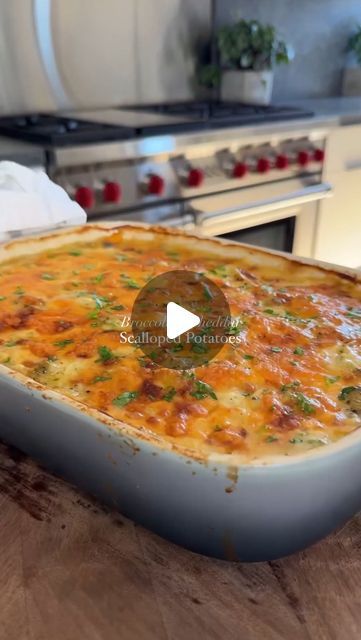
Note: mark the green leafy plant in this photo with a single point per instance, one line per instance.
(250, 45)
(246, 45)
(354, 44)
(209, 76)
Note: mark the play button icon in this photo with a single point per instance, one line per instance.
(179, 320)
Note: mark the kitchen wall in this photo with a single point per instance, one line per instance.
(318, 31)
(106, 51)
(125, 51)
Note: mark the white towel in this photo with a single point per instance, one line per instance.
(30, 202)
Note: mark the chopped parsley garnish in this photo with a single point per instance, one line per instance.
(117, 307)
(99, 278)
(169, 394)
(100, 301)
(236, 329)
(177, 347)
(205, 331)
(248, 356)
(207, 292)
(345, 392)
(130, 283)
(2, 298)
(199, 347)
(218, 428)
(100, 379)
(202, 390)
(305, 404)
(93, 314)
(290, 386)
(354, 313)
(296, 440)
(276, 349)
(105, 354)
(10, 343)
(298, 351)
(270, 439)
(290, 316)
(19, 291)
(143, 361)
(332, 379)
(63, 343)
(220, 271)
(47, 276)
(125, 398)
(75, 252)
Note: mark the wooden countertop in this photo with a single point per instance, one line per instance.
(71, 570)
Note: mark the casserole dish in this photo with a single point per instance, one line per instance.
(211, 501)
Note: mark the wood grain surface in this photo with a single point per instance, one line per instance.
(72, 570)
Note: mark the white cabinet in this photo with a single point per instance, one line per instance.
(169, 33)
(338, 236)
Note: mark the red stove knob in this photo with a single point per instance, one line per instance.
(112, 192)
(282, 161)
(319, 155)
(155, 185)
(263, 165)
(240, 169)
(303, 158)
(85, 197)
(195, 177)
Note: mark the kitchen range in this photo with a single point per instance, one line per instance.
(250, 173)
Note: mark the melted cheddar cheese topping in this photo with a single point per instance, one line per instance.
(283, 388)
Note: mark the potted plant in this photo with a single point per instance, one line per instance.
(351, 84)
(248, 52)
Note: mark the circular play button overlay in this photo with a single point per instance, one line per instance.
(181, 320)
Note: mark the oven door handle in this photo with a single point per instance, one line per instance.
(185, 222)
(258, 212)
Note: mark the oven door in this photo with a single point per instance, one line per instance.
(281, 215)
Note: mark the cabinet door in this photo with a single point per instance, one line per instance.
(169, 36)
(343, 149)
(338, 236)
(95, 50)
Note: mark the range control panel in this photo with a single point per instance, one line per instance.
(105, 187)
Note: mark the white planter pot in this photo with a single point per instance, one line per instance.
(351, 81)
(250, 87)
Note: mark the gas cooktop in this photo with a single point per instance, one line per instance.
(216, 113)
(56, 130)
(124, 123)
